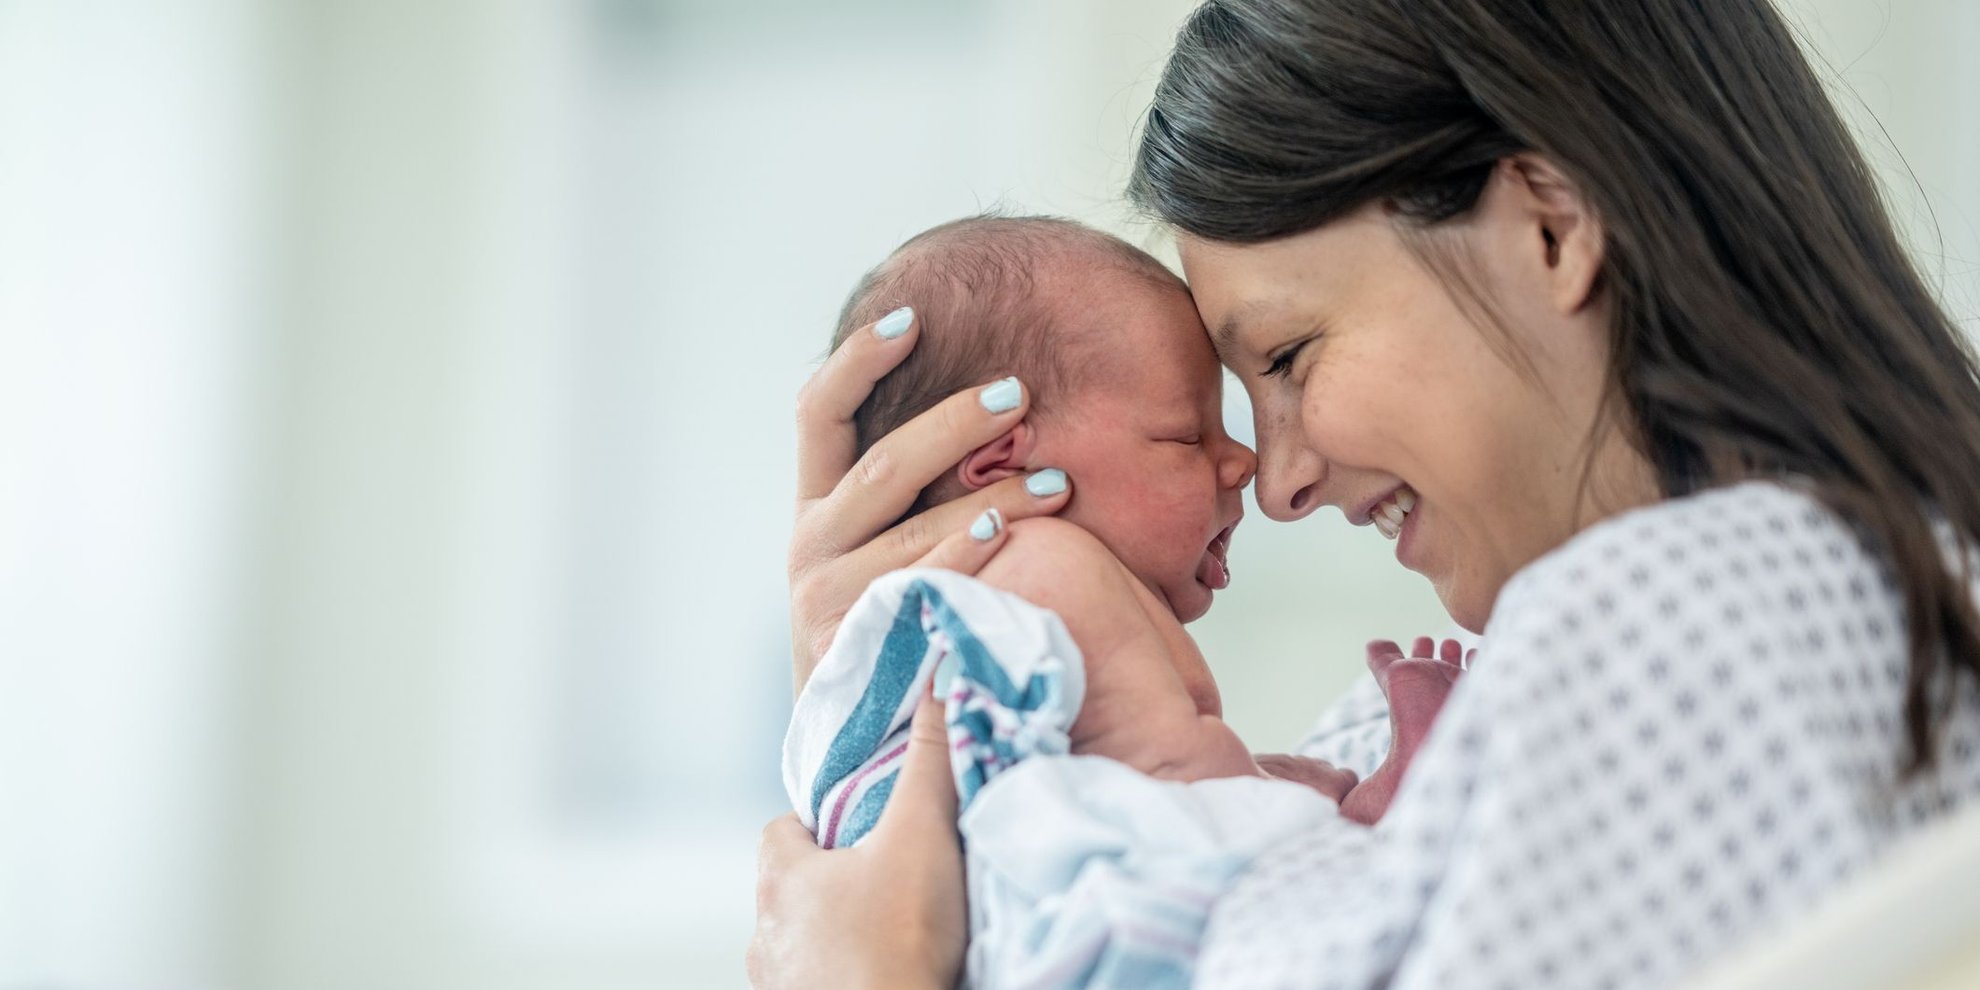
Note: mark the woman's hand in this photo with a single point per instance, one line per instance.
(845, 504)
(888, 913)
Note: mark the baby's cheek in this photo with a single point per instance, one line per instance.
(1175, 521)
(1155, 535)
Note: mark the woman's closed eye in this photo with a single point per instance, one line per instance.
(1281, 365)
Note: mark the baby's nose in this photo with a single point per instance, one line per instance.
(1239, 466)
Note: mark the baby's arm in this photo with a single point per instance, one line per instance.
(1188, 745)
(1137, 708)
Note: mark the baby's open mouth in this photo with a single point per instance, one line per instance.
(1214, 571)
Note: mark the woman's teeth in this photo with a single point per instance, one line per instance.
(1389, 515)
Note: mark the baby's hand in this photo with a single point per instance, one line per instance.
(1320, 775)
(1416, 686)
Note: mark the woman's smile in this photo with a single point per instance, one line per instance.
(1409, 542)
(1337, 334)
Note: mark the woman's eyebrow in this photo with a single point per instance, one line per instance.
(1224, 338)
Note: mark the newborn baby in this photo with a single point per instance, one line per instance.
(1126, 396)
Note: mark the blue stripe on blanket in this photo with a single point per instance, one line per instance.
(872, 719)
(980, 667)
(924, 621)
(866, 813)
(977, 663)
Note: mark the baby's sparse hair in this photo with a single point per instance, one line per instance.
(974, 286)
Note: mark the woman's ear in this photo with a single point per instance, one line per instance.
(1004, 457)
(1571, 233)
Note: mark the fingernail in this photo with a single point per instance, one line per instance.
(894, 324)
(986, 525)
(1050, 481)
(1002, 396)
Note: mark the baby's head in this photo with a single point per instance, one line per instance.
(1126, 393)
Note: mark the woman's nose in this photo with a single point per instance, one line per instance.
(1289, 477)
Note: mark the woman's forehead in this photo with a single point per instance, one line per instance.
(1239, 286)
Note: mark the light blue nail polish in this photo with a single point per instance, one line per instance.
(1050, 481)
(986, 526)
(895, 323)
(1003, 396)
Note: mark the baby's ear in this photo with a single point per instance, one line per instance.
(1004, 457)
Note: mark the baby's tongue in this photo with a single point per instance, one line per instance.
(1214, 573)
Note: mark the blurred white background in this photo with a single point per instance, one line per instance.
(395, 447)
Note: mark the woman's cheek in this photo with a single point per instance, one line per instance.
(1357, 423)
(1319, 423)
(1279, 418)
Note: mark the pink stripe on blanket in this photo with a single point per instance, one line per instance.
(845, 793)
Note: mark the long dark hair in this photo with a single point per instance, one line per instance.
(1767, 321)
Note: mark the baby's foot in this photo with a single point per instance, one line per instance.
(1416, 686)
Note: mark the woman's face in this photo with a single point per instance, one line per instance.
(1376, 390)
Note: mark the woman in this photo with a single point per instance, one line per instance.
(1605, 290)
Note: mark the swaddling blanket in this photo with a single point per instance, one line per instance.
(1007, 671)
(1082, 872)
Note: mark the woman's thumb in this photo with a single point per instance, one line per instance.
(924, 796)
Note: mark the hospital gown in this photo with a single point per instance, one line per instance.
(1683, 729)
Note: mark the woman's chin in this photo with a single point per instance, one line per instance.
(1464, 605)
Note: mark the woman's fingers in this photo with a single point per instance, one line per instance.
(918, 828)
(1012, 499)
(888, 477)
(785, 858)
(923, 802)
(826, 441)
(966, 552)
(887, 912)
(823, 589)
(915, 539)
(837, 546)
(784, 841)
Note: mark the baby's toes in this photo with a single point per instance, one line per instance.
(1416, 689)
(1382, 653)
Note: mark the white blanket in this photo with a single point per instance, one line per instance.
(1082, 872)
